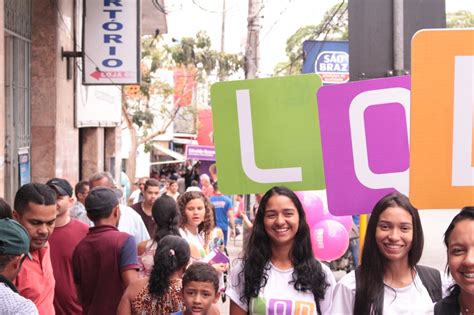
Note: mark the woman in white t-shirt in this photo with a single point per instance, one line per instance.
(278, 273)
(388, 279)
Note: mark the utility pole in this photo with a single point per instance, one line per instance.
(223, 26)
(398, 38)
(251, 69)
(221, 75)
(253, 32)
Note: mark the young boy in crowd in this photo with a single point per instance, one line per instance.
(200, 289)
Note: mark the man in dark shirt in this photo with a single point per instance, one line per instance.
(105, 261)
(68, 232)
(151, 192)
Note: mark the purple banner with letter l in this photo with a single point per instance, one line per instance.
(200, 152)
(365, 141)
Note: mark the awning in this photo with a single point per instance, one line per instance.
(178, 157)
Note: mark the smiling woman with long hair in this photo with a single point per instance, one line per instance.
(278, 269)
(388, 280)
(459, 241)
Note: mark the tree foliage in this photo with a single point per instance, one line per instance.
(149, 109)
(334, 26)
(460, 19)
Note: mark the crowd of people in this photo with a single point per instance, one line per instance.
(165, 253)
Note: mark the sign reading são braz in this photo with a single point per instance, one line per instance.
(111, 27)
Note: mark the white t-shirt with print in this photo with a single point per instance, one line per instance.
(278, 296)
(413, 299)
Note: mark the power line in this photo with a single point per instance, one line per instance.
(326, 28)
(158, 6)
(276, 21)
(200, 6)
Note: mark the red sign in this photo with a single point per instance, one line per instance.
(184, 81)
(111, 74)
(204, 134)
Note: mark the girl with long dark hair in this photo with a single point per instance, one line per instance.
(166, 216)
(161, 293)
(459, 241)
(278, 269)
(388, 280)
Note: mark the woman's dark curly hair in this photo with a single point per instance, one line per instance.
(172, 254)
(308, 275)
(369, 282)
(207, 225)
(166, 216)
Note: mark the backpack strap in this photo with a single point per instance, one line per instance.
(431, 279)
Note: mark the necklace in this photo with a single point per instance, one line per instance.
(464, 309)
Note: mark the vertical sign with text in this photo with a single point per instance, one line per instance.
(111, 42)
(266, 133)
(442, 125)
(365, 141)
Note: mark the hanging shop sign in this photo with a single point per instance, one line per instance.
(200, 152)
(111, 42)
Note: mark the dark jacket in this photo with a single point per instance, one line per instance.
(449, 305)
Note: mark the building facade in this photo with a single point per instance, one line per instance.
(39, 134)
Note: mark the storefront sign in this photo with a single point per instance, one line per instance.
(200, 152)
(111, 42)
(329, 59)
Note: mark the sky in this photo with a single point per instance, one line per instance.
(280, 19)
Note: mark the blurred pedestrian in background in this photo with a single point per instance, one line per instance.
(5, 210)
(78, 210)
(151, 192)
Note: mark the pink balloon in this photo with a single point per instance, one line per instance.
(315, 212)
(313, 206)
(345, 220)
(329, 240)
